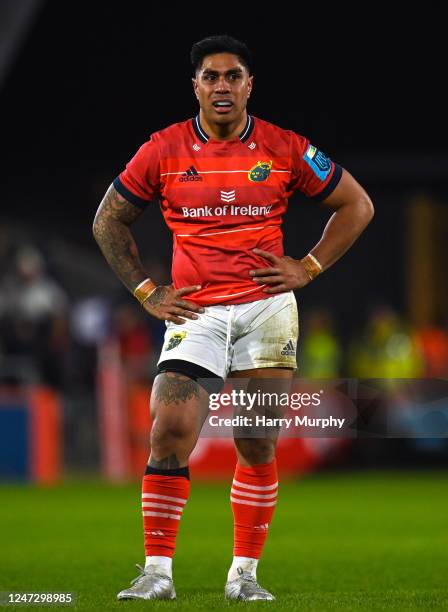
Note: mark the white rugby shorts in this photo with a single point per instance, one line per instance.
(260, 334)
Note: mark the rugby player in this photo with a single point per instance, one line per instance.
(223, 180)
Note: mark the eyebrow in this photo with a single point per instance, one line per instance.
(231, 71)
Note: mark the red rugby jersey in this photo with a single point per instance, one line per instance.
(221, 199)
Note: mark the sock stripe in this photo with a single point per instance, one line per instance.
(162, 503)
(164, 497)
(165, 506)
(163, 515)
(251, 503)
(253, 495)
(243, 485)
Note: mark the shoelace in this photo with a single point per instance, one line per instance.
(249, 578)
(142, 573)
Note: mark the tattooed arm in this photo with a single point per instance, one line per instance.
(111, 230)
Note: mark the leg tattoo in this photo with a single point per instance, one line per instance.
(173, 388)
(167, 463)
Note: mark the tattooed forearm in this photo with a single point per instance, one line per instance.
(114, 237)
(167, 463)
(172, 388)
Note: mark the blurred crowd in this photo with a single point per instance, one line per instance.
(48, 337)
(387, 347)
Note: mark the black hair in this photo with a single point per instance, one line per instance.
(220, 44)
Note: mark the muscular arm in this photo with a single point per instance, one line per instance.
(353, 210)
(111, 230)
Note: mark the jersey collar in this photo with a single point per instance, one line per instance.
(204, 137)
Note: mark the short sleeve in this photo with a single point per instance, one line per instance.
(312, 172)
(139, 183)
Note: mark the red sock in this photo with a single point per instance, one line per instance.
(164, 496)
(253, 497)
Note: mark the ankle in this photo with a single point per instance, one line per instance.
(163, 564)
(247, 564)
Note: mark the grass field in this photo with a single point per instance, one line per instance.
(340, 542)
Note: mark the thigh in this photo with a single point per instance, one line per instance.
(178, 403)
(270, 338)
(273, 382)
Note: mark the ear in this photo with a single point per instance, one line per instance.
(250, 85)
(195, 87)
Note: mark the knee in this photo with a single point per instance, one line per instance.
(168, 432)
(256, 451)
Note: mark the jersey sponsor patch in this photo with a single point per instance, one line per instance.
(260, 171)
(319, 163)
(175, 340)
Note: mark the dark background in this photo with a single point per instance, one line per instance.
(93, 80)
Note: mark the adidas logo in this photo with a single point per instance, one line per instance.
(156, 533)
(262, 527)
(191, 171)
(191, 174)
(289, 350)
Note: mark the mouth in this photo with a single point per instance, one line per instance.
(222, 106)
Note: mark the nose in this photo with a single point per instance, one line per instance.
(221, 85)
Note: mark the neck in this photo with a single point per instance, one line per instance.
(223, 131)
